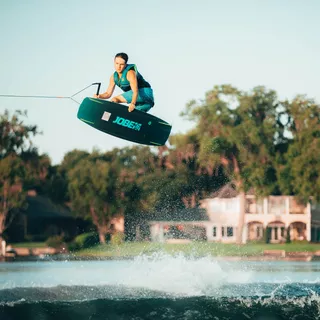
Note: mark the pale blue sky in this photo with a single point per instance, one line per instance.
(182, 47)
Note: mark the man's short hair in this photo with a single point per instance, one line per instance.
(122, 55)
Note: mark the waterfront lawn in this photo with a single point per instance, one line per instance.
(28, 245)
(194, 249)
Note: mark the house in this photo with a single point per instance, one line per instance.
(43, 218)
(184, 225)
(272, 219)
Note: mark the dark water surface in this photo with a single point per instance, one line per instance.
(160, 287)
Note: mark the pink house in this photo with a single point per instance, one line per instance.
(276, 218)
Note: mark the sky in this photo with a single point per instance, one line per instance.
(182, 47)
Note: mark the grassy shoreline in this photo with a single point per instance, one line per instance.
(195, 249)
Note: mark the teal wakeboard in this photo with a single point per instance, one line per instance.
(115, 119)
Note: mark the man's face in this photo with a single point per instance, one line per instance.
(119, 64)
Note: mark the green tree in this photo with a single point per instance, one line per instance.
(93, 191)
(135, 164)
(71, 159)
(37, 168)
(15, 135)
(12, 197)
(200, 178)
(57, 178)
(15, 140)
(299, 163)
(56, 186)
(239, 130)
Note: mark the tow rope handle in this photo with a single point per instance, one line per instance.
(99, 85)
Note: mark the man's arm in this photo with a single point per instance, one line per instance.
(132, 78)
(109, 91)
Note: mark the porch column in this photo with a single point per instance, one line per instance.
(308, 210)
(209, 232)
(291, 232)
(308, 231)
(279, 233)
(161, 234)
(245, 234)
(218, 232)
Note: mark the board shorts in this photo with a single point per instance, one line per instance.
(145, 100)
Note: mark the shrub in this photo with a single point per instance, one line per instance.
(84, 240)
(73, 246)
(267, 235)
(55, 241)
(288, 240)
(117, 238)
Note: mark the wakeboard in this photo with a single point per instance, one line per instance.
(115, 119)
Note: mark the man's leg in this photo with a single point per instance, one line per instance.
(119, 99)
(144, 101)
(144, 107)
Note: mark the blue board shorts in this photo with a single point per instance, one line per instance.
(145, 100)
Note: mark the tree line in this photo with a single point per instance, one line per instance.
(252, 139)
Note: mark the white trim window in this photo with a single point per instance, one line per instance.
(227, 232)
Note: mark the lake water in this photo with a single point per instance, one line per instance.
(159, 287)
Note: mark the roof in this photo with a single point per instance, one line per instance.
(226, 192)
(43, 207)
(187, 214)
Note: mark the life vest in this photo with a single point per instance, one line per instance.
(123, 82)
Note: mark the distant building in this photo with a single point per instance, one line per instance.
(273, 219)
(179, 226)
(43, 218)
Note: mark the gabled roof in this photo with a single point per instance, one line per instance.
(43, 207)
(226, 192)
(187, 214)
